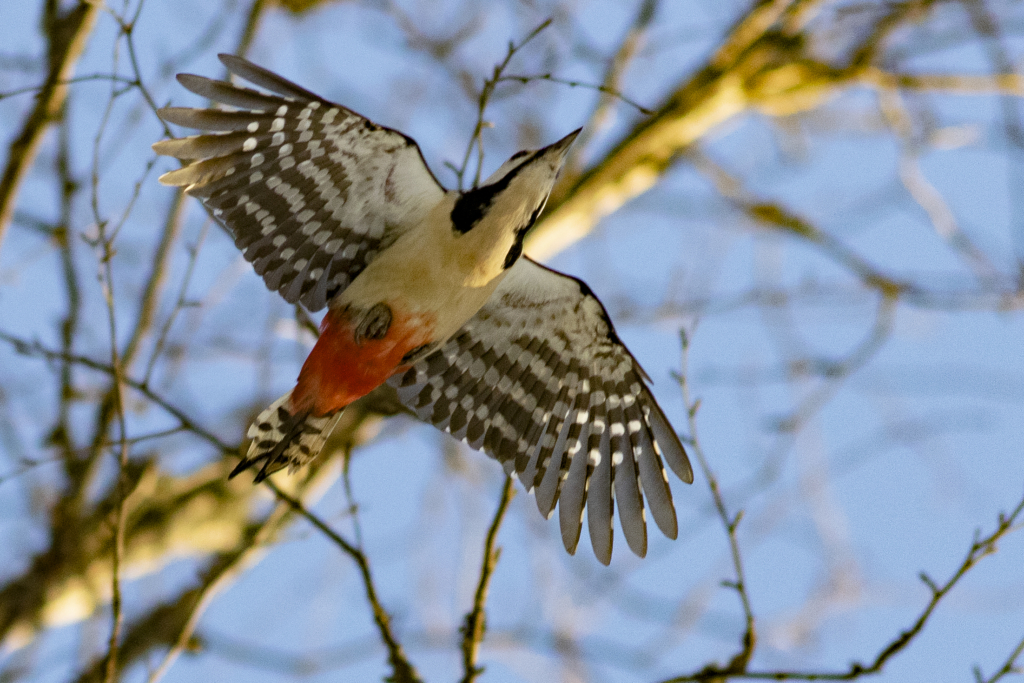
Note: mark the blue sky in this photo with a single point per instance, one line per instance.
(891, 477)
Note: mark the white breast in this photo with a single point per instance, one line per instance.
(432, 269)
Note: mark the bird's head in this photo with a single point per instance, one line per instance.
(509, 202)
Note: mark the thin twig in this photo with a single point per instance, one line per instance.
(476, 138)
(350, 498)
(182, 301)
(401, 669)
(34, 89)
(981, 547)
(730, 522)
(1008, 668)
(62, 433)
(36, 349)
(611, 92)
(105, 256)
(475, 623)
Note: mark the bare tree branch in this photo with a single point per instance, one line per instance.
(67, 35)
(1009, 667)
(475, 624)
(401, 670)
(981, 547)
(730, 522)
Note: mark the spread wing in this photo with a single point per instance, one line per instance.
(311, 191)
(540, 381)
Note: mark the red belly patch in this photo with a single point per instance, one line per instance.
(338, 370)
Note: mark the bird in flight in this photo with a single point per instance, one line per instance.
(427, 289)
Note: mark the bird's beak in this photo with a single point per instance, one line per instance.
(562, 146)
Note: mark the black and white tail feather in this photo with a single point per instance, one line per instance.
(538, 379)
(280, 439)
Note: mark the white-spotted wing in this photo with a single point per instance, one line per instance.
(539, 380)
(311, 191)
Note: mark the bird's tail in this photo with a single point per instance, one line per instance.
(282, 439)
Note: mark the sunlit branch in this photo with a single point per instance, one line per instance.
(954, 84)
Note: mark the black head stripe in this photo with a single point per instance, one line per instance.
(514, 253)
(471, 206)
(517, 247)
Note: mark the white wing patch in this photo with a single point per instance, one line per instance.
(311, 191)
(539, 380)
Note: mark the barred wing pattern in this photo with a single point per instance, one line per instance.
(311, 191)
(540, 381)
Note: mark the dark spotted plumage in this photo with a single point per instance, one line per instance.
(540, 381)
(311, 191)
(281, 439)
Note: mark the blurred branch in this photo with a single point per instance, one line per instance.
(754, 69)
(475, 624)
(832, 373)
(437, 48)
(988, 27)
(953, 84)
(612, 83)
(763, 66)
(835, 372)
(773, 215)
(61, 434)
(920, 188)
(172, 623)
(252, 23)
(28, 348)
(66, 36)
(981, 547)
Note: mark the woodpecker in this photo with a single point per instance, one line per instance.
(427, 289)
